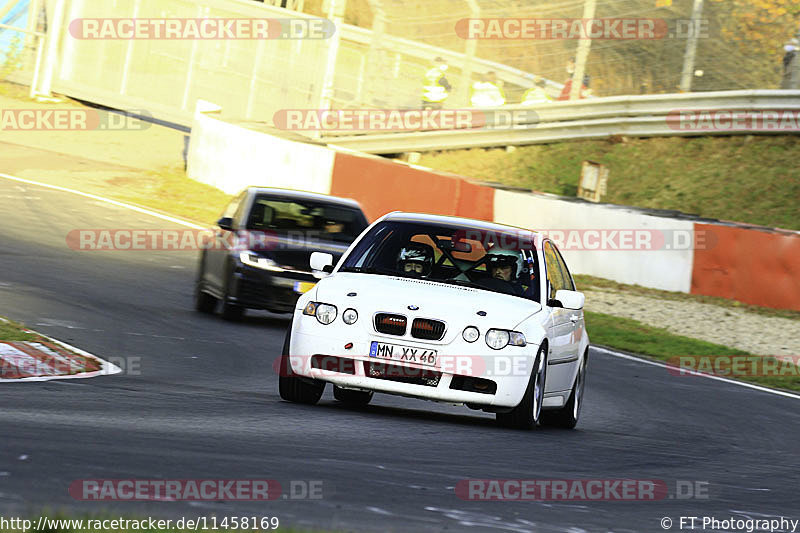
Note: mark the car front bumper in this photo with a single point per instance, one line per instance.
(255, 288)
(453, 380)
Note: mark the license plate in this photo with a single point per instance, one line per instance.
(303, 287)
(405, 354)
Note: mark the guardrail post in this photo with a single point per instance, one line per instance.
(336, 15)
(691, 48)
(52, 41)
(584, 44)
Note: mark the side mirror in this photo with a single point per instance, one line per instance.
(568, 300)
(225, 223)
(321, 261)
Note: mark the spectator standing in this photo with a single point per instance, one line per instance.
(536, 94)
(487, 92)
(789, 59)
(436, 88)
(585, 90)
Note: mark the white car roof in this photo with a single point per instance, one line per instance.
(461, 221)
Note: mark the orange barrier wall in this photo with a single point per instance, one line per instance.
(382, 186)
(748, 265)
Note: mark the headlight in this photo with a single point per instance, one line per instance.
(325, 313)
(498, 339)
(350, 316)
(254, 260)
(471, 334)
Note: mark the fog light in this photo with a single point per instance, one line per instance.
(471, 334)
(350, 316)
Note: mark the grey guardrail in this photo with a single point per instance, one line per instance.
(645, 115)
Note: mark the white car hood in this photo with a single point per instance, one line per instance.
(451, 303)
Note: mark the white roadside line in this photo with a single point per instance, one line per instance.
(106, 200)
(695, 373)
(106, 368)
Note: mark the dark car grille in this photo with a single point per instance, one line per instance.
(390, 324)
(258, 294)
(425, 328)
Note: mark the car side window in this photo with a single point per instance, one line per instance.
(554, 273)
(233, 206)
(565, 275)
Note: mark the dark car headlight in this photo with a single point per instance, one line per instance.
(254, 260)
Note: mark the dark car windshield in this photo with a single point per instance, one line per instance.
(490, 260)
(312, 219)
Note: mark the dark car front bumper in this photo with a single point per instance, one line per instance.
(255, 288)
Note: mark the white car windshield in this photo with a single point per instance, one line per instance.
(502, 262)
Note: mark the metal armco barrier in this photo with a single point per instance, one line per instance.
(635, 116)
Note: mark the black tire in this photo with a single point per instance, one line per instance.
(230, 311)
(293, 388)
(567, 416)
(527, 413)
(203, 302)
(355, 398)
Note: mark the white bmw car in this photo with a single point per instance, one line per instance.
(446, 309)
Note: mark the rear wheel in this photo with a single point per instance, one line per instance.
(293, 388)
(352, 397)
(527, 413)
(567, 416)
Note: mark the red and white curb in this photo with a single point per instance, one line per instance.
(47, 363)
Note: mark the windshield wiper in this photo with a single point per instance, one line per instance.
(369, 270)
(459, 282)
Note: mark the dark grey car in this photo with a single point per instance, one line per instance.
(263, 243)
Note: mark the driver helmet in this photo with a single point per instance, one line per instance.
(502, 258)
(415, 259)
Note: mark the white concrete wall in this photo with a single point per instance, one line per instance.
(669, 267)
(231, 157)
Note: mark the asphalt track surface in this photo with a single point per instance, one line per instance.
(203, 403)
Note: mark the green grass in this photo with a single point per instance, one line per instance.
(752, 179)
(591, 282)
(11, 331)
(171, 191)
(633, 336)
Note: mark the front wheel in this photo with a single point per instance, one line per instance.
(567, 416)
(230, 311)
(526, 414)
(356, 398)
(203, 302)
(293, 388)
